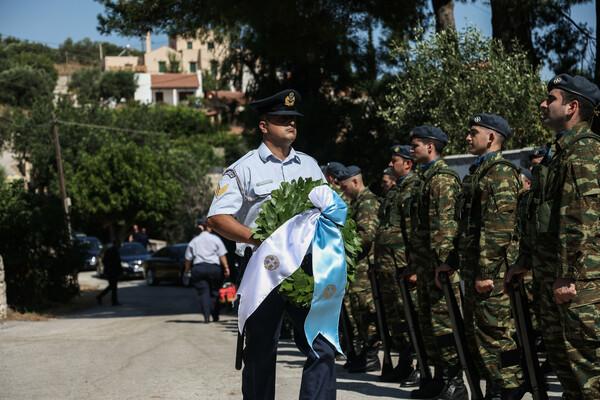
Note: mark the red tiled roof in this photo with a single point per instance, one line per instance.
(172, 81)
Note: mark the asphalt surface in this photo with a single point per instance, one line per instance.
(155, 346)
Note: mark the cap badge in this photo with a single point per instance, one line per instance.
(396, 149)
(290, 99)
(556, 81)
(411, 134)
(537, 152)
(477, 119)
(271, 262)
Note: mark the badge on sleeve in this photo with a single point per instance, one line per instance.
(220, 190)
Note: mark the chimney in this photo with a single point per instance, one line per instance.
(148, 43)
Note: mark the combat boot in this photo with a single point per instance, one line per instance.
(413, 380)
(492, 392)
(432, 387)
(455, 389)
(367, 361)
(401, 371)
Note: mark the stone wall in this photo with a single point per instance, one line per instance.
(3, 305)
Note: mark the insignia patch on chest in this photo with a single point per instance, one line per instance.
(220, 190)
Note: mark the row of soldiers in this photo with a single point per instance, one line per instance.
(487, 228)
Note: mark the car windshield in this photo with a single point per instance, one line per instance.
(180, 251)
(92, 243)
(132, 249)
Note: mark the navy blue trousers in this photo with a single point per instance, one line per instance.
(260, 354)
(206, 279)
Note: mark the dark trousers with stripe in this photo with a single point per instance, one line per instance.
(260, 353)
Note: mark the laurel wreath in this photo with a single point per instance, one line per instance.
(287, 201)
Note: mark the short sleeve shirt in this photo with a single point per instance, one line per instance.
(248, 183)
(205, 248)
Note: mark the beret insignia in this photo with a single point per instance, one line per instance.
(411, 134)
(477, 119)
(396, 149)
(556, 81)
(290, 99)
(537, 152)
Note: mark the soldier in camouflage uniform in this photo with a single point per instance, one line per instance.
(387, 180)
(486, 226)
(565, 210)
(391, 241)
(433, 231)
(364, 206)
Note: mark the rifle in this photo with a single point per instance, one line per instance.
(534, 378)
(239, 351)
(458, 329)
(413, 324)
(382, 327)
(348, 333)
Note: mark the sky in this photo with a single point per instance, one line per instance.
(52, 21)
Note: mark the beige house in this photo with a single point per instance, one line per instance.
(192, 55)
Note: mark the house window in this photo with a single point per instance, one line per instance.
(158, 96)
(210, 45)
(189, 45)
(192, 67)
(214, 67)
(162, 66)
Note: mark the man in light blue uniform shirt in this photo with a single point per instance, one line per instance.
(245, 185)
(204, 256)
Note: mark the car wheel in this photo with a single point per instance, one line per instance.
(150, 279)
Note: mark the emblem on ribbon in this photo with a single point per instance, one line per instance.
(329, 291)
(290, 99)
(271, 262)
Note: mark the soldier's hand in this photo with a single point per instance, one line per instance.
(442, 267)
(409, 276)
(515, 270)
(564, 290)
(484, 285)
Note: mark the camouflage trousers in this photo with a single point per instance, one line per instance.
(489, 328)
(554, 339)
(362, 306)
(581, 323)
(434, 319)
(348, 306)
(391, 299)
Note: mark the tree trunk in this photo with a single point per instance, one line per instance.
(444, 14)
(511, 20)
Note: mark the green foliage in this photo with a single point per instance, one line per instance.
(40, 265)
(155, 177)
(448, 77)
(289, 200)
(87, 52)
(91, 84)
(24, 75)
(174, 65)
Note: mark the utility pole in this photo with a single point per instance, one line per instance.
(61, 178)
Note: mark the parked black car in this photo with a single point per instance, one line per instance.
(132, 256)
(167, 263)
(93, 246)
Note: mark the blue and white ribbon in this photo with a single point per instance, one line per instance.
(281, 254)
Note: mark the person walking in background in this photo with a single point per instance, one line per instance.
(112, 270)
(204, 256)
(143, 239)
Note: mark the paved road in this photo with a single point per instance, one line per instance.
(153, 347)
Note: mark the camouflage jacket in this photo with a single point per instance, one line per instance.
(486, 217)
(394, 218)
(433, 226)
(567, 207)
(364, 207)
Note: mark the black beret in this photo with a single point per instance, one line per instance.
(388, 171)
(282, 103)
(334, 168)
(348, 173)
(577, 85)
(429, 132)
(526, 172)
(202, 221)
(541, 151)
(402, 151)
(491, 121)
